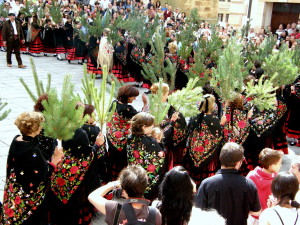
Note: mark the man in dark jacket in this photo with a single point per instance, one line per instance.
(232, 195)
(12, 33)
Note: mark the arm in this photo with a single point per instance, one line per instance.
(96, 197)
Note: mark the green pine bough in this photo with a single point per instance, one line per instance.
(281, 62)
(40, 89)
(88, 85)
(228, 77)
(104, 113)
(4, 114)
(157, 108)
(198, 69)
(263, 94)
(61, 116)
(185, 100)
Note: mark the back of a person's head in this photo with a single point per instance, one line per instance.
(176, 193)
(134, 181)
(285, 187)
(230, 154)
(207, 217)
(269, 157)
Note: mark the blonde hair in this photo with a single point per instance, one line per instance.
(155, 86)
(29, 122)
(172, 48)
(157, 133)
(208, 103)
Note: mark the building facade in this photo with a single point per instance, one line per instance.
(263, 13)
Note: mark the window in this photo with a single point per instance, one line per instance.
(227, 18)
(220, 17)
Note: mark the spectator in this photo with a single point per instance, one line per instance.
(168, 12)
(271, 161)
(285, 210)
(177, 195)
(133, 181)
(295, 169)
(232, 195)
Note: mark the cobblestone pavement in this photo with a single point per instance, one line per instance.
(12, 91)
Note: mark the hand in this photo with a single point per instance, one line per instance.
(98, 42)
(100, 139)
(58, 153)
(23, 41)
(144, 99)
(223, 120)
(4, 43)
(175, 116)
(250, 113)
(69, 38)
(161, 154)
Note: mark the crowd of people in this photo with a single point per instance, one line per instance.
(225, 159)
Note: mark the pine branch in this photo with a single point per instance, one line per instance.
(38, 84)
(104, 113)
(158, 109)
(263, 94)
(185, 100)
(4, 114)
(228, 77)
(88, 84)
(281, 63)
(61, 117)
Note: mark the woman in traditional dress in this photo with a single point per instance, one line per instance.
(293, 119)
(28, 174)
(105, 55)
(49, 38)
(237, 124)
(79, 50)
(204, 141)
(74, 179)
(35, 45)
(59, 34)
(69, 34)
(145, 151)
(174, 127)
(118, 129)
(46, 144)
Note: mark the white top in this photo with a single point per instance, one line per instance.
(288, 216)
(15, 27)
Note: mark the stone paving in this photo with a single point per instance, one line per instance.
(12, 91)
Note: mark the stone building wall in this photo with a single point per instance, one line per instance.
(207, 9)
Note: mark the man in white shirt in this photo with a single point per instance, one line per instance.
(12, 35)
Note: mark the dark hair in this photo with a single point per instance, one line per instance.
(257, 64)
(230, 154)
(38, 107)
(134, 181)
(88, 109)
(126, 92)
(237, 103)
(268, 157)
(139, 120)
(176, 192)
(285, 187)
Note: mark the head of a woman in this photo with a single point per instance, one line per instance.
(237, 103)
(38, 107)
(176, 193)
(165, 90)
(285, 187)
(30, 123)
(134, 181)
(208, 104)
(127, 94)
(142, 123)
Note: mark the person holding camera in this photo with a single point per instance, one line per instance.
(133, 181)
